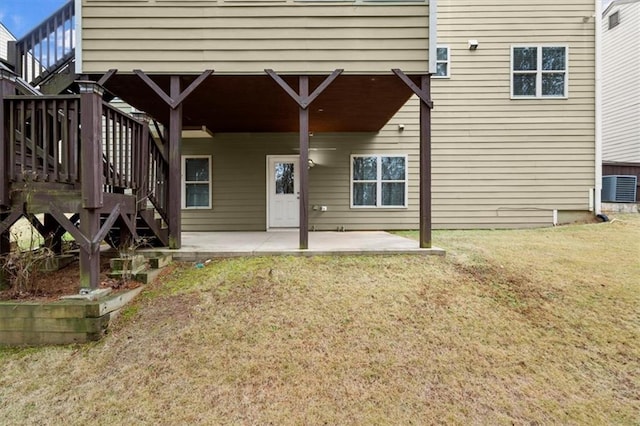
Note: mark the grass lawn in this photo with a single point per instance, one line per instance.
(526, 327)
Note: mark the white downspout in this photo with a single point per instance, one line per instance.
(598, 109)
(433, 35)
(78, 35)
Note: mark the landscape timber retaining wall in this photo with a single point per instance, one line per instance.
(59, 322)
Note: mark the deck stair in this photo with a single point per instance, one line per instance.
(143, 268)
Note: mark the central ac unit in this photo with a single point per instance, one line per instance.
(619, 188)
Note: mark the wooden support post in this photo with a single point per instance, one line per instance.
(91, 180)
(175, 148)
(304, 170)
(174, 100)
(426, 104)
(304, 100)
(425, 166)
(7, 87)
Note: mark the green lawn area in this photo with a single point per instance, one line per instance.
(511, 327)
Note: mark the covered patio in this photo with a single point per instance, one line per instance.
(200, 246)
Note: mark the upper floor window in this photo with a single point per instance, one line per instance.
(614, 19)
(379, 181)
(196, 182)
(539, 72)
(443, 62)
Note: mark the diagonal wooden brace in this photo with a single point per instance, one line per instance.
(303, 101)
(169, 100)
(81, 240)
(129, 224)
(10, 220)
(424, 96)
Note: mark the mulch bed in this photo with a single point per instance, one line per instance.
(49, 286)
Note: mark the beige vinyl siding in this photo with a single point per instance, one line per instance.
(239, 178)
(235, 37)
(621, 84)
(499, 162)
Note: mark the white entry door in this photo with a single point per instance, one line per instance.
(284, 191)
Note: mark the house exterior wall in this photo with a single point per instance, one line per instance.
(231, 36)
(621, 83)
(5, 36)
(239, 177)
(502, 162)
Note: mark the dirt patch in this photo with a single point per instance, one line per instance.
(48, 286)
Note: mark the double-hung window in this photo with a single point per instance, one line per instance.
(379, 181)
(539, 71)
(196, 182)
(443, 63)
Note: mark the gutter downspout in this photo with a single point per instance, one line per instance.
(433, 35)
(78, 35)
(597, 199)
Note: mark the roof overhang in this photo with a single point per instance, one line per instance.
(256, 103)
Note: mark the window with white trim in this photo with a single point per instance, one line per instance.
(379, 181)
(539, 71)
(442, 62)
(196, 182)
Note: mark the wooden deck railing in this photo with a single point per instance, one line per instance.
(158, 178)
(43, 144)
(48, 46)
(43, 135)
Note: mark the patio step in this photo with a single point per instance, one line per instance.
(143, 268)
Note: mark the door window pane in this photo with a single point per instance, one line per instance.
(284, 178)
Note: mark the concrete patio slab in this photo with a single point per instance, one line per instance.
(199, 246)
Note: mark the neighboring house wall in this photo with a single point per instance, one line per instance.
(236, 37)
(621, 83)
(497, 161)
(5, 36)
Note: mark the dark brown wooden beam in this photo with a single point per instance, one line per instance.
(7, 88)
(107, 76)
(91, 180)
(425, 166)
(91, 144)
(304, 169)
(304, 100)
(426, 104)
(175, 148)
(174, 99)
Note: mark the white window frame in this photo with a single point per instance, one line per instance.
(379, 181)
(539, 71)
(184, 182)
(448, 62)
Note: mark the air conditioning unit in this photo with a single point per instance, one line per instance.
(619, 188)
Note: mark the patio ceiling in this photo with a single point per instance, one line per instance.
(255, 103)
